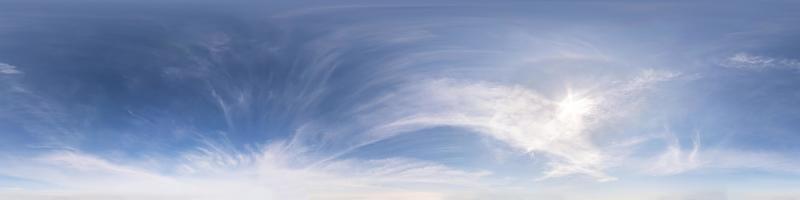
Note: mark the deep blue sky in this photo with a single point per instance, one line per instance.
(407, 100)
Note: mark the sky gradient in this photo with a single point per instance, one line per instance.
(567, 100)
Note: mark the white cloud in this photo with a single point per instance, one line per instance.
(8, 69)
(275, 173)
(675, 159)
(559, 128)
(757, 62)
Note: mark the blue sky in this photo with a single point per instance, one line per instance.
(399, 100)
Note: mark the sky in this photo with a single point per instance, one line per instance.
(354, 99)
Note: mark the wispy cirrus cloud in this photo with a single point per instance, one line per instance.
(676, 159)
(749, 61)
(275, 172)
(380, 100)
(9, 69)
(559, 128)
(690, 156)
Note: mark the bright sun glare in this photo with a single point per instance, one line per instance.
(574, 106)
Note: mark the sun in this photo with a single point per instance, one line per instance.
(574, 106)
